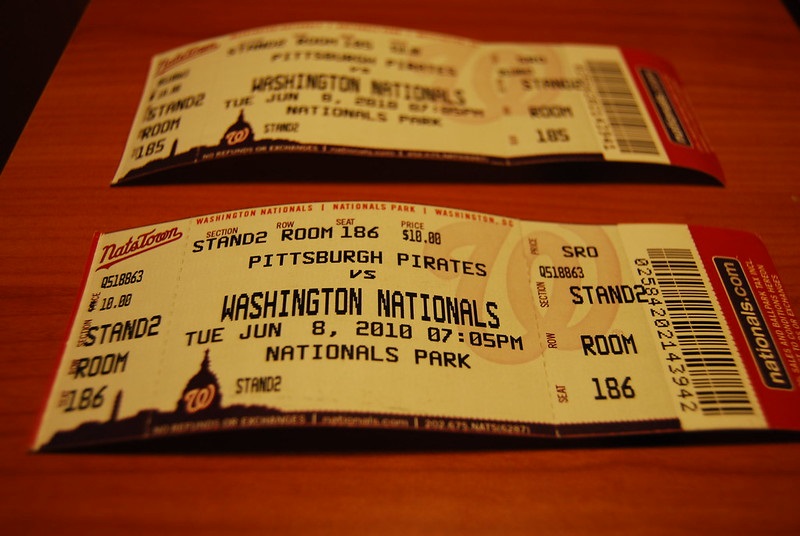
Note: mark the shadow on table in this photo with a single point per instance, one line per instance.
(360, 441)
(296, 168)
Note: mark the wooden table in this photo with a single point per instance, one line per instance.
(740, 63)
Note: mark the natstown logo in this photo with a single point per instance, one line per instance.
(136, 245)
(166, 64)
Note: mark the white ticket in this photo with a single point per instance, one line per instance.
(330, 93)
(388, 315)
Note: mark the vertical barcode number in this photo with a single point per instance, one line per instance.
(689, 330)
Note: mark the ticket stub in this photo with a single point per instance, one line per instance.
(335, 90)
(387, 315)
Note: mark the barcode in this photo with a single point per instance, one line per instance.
(710, 362)
(625, 118)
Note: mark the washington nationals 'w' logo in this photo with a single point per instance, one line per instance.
(236, 137)
(200, 398)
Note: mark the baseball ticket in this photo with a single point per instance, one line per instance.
(390, 315)
(335, 94)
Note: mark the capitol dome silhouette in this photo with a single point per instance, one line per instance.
(202, 392)
(238, 133)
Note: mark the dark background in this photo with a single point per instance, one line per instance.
(32, 37)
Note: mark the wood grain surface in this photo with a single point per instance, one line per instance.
(740, 63)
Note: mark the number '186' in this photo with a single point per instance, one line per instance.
(611, 388)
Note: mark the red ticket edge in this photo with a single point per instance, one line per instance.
(763, 325)
(671, 112)
(87, 270)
